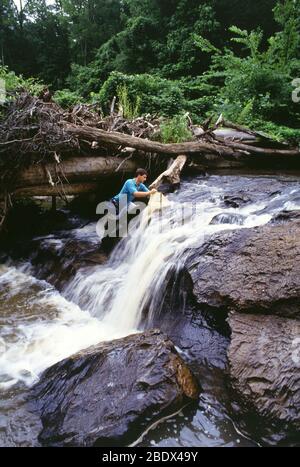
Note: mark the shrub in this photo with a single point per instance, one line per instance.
(66, 98)
(14, 82)
(175, 130)
(278, 132)
(256, 83)
(157, 95)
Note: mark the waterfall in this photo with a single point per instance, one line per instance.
(40, 326)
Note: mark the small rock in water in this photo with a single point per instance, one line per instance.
(228, 218)
(236, 201)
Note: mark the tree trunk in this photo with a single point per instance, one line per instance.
(63, 190)
(75, 170)
(216, 146)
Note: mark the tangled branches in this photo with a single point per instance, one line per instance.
(33, 131)
(30, 132)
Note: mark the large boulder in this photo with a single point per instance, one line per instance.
(264, 357)
(108, 394)
(249, 270)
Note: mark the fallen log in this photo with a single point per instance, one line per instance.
(71, 177)
(66, 189)
(145, 145)
(172, 174)
(214, 146)
(75, 170)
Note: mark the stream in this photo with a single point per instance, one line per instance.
(42, 322)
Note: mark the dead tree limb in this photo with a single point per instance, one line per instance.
(220, 146)
(172, 174)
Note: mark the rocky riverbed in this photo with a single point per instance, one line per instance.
(83, 365)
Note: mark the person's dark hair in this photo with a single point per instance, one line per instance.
(141, 172)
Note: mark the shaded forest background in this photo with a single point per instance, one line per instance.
(164, 57)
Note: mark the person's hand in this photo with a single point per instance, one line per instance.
(153, 191)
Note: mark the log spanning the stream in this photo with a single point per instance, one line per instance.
(218, 146)
(210, 151)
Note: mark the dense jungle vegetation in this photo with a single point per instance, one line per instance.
(240, 58)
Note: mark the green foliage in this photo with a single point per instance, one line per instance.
(173, 56)
(66, 98)
(278, 132)
(83, 80)
(255, 83)
(90, 24)
(14, 82)
(130, 109)
(34, 40)
(156, 95)
(175, 130)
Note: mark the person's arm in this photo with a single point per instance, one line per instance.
(144, 194)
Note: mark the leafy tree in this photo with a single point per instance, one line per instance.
(8, 19)
(34, 41)
(255, 84)
(91, 23)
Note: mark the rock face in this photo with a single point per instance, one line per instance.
(254, 274)
(250, 270)
(107, 395)
(264, 357)
(58, 261)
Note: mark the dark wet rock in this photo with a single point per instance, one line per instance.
(202, 337)
(57, 260)
(19, 423)
(108, 394)
(236, 201)
(274, 194)
(228, 218)
(285, 216)
(249, 270)
(264, 357)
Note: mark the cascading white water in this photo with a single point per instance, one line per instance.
(106, 301)
(117, 292)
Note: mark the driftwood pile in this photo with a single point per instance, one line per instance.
(45, 150)
(32, 130)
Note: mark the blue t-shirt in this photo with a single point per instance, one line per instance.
(130, 187)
